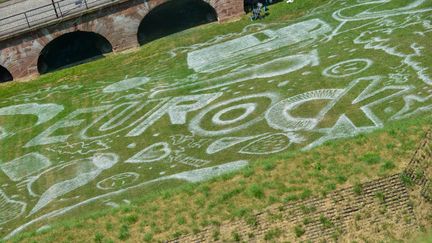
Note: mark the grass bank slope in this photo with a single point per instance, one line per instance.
(319, 95)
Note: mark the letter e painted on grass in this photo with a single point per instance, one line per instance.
(69, 121)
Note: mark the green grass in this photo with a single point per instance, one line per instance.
(167, 209)
(153, 205)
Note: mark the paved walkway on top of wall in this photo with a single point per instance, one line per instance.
(21, 6)
(44, 14)
(6, 3)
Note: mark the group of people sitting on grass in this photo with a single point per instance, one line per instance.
(259, 8)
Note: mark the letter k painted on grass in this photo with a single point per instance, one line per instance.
(361, 95)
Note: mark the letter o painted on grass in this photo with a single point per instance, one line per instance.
(248, 108)
(348, 68)
(209, 122)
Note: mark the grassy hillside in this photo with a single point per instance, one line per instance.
(317, 96)
(166, 214)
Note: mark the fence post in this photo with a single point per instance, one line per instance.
(55, 9)
(61, 13)
(28, 23)
(85, 2)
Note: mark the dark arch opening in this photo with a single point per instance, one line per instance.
(5, 75)
(174, 16)
(72, 49)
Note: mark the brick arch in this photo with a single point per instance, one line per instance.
(72, 47)
(225, 9)
(102, 27)
(5, 75)
(155, 23)
(21, 56)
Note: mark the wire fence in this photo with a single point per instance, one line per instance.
(56, 10)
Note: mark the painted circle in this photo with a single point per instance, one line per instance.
(118, 181)
(348, 68)
(229, 126)
(248, 109)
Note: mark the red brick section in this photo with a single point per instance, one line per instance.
(118, 24)
(227, 9)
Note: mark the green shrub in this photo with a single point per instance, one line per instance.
(236, 236)
(148, 237)
(130, 219)
(308, 209)
(358, 188)
(98, 237)
(216, 235)
(325, 222)
(388, 165)
(273, 233)
(371, 158)
(406, 180)
(299, 231)
(124, 232)
(380, 196)
(109, 226)
(205, 190)
(268, 165)
(181, 220)
(177, 234)
(290, 198)
(305, 194)
(307, 221)
(248, 172)
(256, 191)
(341, 179)
(251, 220)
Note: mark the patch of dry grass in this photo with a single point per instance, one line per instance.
(292, 176)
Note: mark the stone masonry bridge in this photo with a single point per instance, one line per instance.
(60, 33)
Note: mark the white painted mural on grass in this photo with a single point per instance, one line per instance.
(340, 71)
